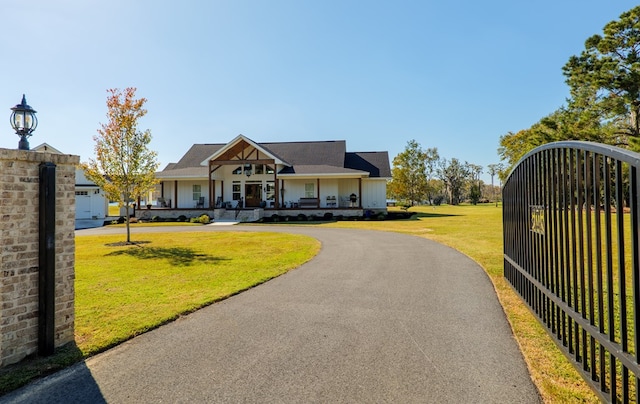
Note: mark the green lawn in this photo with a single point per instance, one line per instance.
(125, 290)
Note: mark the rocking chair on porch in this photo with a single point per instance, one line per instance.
(200, 203)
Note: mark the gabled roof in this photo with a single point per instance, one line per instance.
(321, 158)
(45, 147)
(231, 150)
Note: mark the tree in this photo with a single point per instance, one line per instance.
(494, 169)
(454, 175)
(475, 186)
(431, 159)
(124, 167)
(577, 121)
(608, 72)
(409, 178)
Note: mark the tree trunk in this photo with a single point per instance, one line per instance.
(127, 222)
(127, 197)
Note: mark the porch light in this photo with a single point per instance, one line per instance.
(247, 170)
(24, 122)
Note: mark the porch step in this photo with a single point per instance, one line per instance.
(231, 215)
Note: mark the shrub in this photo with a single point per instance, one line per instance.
(302, 217)
(328, 216)
(275, 218)
(182, 218)
(204, 219)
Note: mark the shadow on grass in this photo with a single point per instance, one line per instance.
(178, 256)
(428, 214)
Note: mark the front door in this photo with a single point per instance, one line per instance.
(252, 195)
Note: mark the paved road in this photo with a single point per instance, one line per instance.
(376, 317)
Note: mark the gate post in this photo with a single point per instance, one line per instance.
(46, 258)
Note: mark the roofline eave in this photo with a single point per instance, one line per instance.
(311, 175)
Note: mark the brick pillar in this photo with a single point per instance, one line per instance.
(19, 241)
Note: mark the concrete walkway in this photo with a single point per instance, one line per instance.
(376, 317)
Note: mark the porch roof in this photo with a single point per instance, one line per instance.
(183, 173)
(320, 171)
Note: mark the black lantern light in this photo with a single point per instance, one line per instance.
(24, 122)
(247, 170)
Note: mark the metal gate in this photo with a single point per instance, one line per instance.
(571, 250)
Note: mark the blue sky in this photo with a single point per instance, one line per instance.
(455, 75)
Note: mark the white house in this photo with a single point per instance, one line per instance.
(313, 177)
(91, 202)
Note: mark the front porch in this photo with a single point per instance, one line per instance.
(252, 214)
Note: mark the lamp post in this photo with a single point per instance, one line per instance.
(24, 122)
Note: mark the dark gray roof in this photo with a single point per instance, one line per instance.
(329, 153)
(376, 163)
(196, 155)
(321, 157)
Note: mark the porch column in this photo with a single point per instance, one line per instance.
(276, 188)
(212, 194)
(175, 194)
(212, 190)
(282, 190)
(360, 193)
(318, 190)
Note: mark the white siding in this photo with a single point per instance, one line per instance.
(185, 193)
(374, 193)
(329, 188)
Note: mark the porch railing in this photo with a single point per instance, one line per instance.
(571, 250)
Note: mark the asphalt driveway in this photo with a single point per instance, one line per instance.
(376, 317)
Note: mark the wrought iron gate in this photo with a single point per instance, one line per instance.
(571, 250)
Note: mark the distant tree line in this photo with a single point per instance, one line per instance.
(420, 176)
(604, 101)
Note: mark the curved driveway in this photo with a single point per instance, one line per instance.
(376, 317)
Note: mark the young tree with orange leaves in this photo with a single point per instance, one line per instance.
(124, 167)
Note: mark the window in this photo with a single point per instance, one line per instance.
(237, 171)
(259, 169)
(271, 191)
(197, 192)
(236, 190)
(309, 190)
(82, 193)
(269, 170)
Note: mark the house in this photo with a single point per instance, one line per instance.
(91, 201)
(266, 179)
